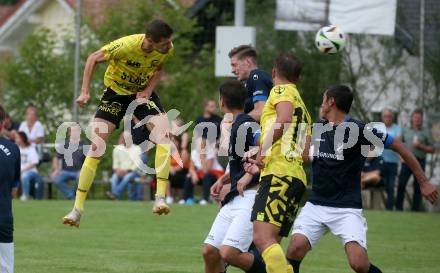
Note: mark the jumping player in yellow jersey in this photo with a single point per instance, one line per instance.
(285, 138)
(134, 69)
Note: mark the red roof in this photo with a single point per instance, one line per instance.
(91, 8)
(6, 11)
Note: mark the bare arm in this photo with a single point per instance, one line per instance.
(55, 165)
(152, 83)
(38, 140)
(28, 167)
(306, 151)
(428, 190)
(93, 59)
(225, 178)
(426, 148)
(207, 165)
(258, 109)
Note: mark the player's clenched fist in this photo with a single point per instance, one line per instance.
(429, 191)
(83, 99)
(216, 189)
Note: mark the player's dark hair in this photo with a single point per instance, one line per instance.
(158, 29)
(417, 111)
(288, 66)
(23, 137)
(234, 94)
(3, 114)
(244, 51)
(342, 95)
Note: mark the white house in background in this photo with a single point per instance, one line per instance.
(26, 15)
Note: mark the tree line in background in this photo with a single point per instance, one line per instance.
(42, 72)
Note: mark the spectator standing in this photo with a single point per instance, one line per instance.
(32, 127)
(419, 141)
(62, 172)
(210, 118)
(390, 158)
(9, 176)
(126, 159)
(29, 173)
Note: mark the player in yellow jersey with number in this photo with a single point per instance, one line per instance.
(285, 138)
(134, 69)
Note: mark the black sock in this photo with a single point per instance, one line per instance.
(374, 269)
(295, 264)
(258, 266)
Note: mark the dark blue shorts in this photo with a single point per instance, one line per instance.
(6, 231)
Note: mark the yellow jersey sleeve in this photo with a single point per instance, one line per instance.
(117, 49)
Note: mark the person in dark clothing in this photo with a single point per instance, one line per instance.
(335, 203)
(9, 177)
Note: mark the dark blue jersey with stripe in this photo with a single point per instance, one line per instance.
(244, 135)
(337, 170)
(9, 176)
(258, 86)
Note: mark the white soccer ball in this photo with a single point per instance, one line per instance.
(330, 39)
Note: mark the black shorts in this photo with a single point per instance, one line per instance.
(277, 201)
(6, 231)
(178, 179)
(113, 108)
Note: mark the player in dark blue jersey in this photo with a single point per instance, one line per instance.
(258, 83)
(9, 178)
(341, 145)
(231, 233)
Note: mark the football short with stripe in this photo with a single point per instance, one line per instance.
(232, 226)
(277, 201)
(113, 107)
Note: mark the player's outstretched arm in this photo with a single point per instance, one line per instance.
(92, 61)
(258, 110)
(428, 190)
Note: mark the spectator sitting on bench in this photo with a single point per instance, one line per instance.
(29, 173)
(371, 173)
(126, 159)
(62, 171)
(205, 169)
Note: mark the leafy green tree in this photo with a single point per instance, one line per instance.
(319, 71)
(42, 74)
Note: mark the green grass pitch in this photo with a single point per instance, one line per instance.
(127, 237)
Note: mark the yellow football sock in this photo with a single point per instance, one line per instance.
(86, 176)
(275, 260)
(162, 167)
